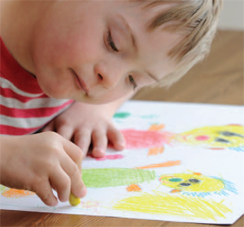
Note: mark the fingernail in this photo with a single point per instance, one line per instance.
(99, 150)
(121, 146)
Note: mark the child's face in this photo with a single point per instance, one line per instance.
(98, 51)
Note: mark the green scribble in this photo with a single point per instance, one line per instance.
(111, 177)
(122, 115)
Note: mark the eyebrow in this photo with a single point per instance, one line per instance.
(133, 40)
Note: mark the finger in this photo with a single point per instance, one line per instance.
(77, 186)
(116, 138)
(73, 151)
(65, 131)
(48, 127)
(100, 143)
(61, 182)
(83, 140)
(44, 191)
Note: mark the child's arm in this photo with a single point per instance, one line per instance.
(87, 123)
(40, 163)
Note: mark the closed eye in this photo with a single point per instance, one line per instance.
(110, 42)
(133, 82)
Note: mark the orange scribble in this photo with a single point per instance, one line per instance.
(156, 127)
(133, 188)
(16, 193)
(195, 173)
(175, 191)
(155, 151)
(164, 164)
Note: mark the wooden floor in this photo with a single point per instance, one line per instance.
(219, 80)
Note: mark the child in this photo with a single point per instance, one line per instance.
(68, 65)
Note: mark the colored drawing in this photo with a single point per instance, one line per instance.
(211, 137)
(112, 177)
(145, 139)
(180, 164)
(121, 115)
(108, 157)
(197, 184)
(159, 165)
(227, 136)
(180, 205)
(14, 193)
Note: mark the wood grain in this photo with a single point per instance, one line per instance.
(219, 80)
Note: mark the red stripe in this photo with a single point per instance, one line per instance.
(14, 131)
(14, 72)
(9, 93)
(32, 112)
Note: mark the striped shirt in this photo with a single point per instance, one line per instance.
(24, 108)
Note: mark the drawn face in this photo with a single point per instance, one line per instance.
(192, 182)
(215, 136)
(98, 51)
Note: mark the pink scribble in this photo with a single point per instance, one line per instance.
(202, 138)
(110, 157)
(145, 139)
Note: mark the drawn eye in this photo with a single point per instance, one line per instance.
(185, 184)
(226, 133)
(220, 140)
(193, 180)
(175, 179)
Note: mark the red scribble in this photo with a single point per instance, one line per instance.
(202, 138)
(145, 139)
(110, 157)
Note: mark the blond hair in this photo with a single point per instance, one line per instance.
(197, 20)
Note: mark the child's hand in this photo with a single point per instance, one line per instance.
(41, 162)
(85, 124)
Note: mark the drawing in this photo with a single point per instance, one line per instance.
(177, 205)
(202, 182)
(14, 193)
(216, 137)
(112, 177)
(107, 177)
(107, 157)
(153, 138)
(197, 184)
(211, 137)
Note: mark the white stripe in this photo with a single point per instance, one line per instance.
(34, 103)
(28, 122)
(7, 84)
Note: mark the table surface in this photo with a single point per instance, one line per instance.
(219, 80)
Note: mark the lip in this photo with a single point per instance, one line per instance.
(80, 83)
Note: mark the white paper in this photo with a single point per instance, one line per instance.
(168, 172)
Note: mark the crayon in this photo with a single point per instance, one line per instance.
(73, 200)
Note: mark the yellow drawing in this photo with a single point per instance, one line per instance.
(226, 136)
(176, 205)
(196, 184)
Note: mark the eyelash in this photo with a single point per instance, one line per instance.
(111, 42)
(133, 82)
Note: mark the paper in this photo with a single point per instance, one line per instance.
(183, 162)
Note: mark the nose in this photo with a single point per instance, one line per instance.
(108, 75)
